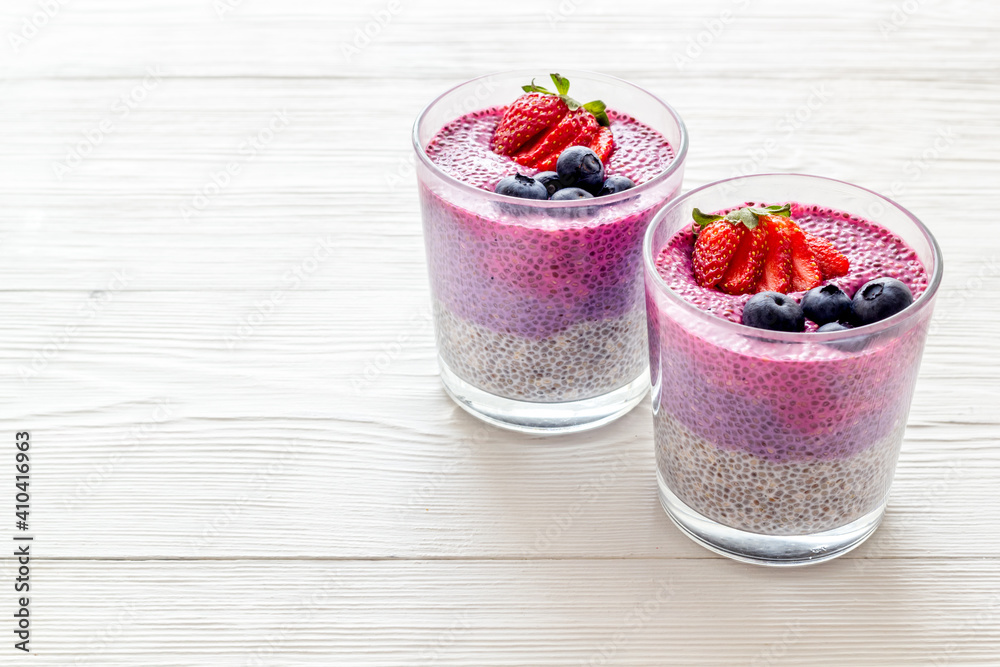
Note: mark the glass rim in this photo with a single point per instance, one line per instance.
(918, 305)
(680, 153)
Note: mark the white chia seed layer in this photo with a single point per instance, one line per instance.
(747, 492)
(585, 360)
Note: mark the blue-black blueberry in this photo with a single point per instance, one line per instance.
(855, 344)
(879, 299)
(523, 187)
(825, 304)
(615, 184)
(774, 311)
(570, 194)
(579, 167)
(550, 180)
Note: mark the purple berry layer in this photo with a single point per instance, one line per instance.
(791, 402)
(536, 274)
(527, 281)
(781, 404)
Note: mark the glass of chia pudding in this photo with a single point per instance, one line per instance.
(534, 209)
(787, 316)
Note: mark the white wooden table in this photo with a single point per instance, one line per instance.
(214, 323)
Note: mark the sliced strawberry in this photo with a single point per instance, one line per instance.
(550, 142)
(805, 270)
(777, 273)
(537, 126)
(714, 249)
(832, 264)
(757, 229)
(525, 119)
(577, 128)
(603, 144)
(748, 261)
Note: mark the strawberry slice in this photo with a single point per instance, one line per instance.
(747, 263)
(603, 144)
(577, 128)
(733, 260)
(832, 263)
(525, 119)
(805, 270)
(777, 273)
(539, 125)
(713, 250)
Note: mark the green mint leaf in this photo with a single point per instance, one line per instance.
(782, 210)
(532, 88)
(747, 216)
(744, 215)
(704, 219)
(570, 102)
(597, 108)
(562, 85)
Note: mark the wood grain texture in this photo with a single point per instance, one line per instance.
(145, 198)
(214, 320)
(367, 457)
(416, 613)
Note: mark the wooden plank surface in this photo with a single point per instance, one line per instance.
(541, 612)
(367, 457)
(231, 383)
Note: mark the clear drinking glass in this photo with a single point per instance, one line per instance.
(771, 447)
(538, 306)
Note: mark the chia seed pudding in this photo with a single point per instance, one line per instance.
(772, 437)
(535, 304)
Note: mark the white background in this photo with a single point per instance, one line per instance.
(242, 453)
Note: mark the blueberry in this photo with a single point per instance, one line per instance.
(847, 345)
(570, 194)
(826, 304)
(774, 311)
(521, 186)
(614, 185)
(550, 180)
(578, 166)
(879, 299)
